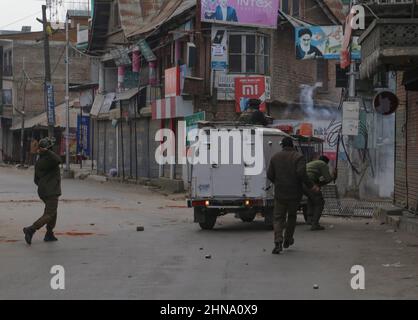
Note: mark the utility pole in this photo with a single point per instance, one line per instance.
(47, 68)
(67, 102)
(22, 130)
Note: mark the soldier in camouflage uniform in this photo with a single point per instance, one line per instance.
(48, 180)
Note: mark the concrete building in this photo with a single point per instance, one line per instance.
(23, 81)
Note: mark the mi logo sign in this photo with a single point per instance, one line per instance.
(358, 282)
(250, 89)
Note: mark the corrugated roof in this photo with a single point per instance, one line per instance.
(142, 16)
(60, 118)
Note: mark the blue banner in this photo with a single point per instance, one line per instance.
(83, 135)
(50, 103)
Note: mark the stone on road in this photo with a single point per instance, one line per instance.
(104, 257)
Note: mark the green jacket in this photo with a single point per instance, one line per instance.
(287, 170)
(318, 172)
(48, 175)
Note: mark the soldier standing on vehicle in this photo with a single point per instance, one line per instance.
(287, 171)
(253, 115)
(319, 174)
(48, 180)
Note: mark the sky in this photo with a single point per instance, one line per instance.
(17, 13)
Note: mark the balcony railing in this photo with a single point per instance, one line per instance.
(389, 44)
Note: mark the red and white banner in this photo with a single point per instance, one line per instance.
(169, 108)
(250, 88)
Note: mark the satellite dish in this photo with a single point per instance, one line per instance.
(385, 102)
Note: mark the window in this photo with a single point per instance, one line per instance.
(295, 8)
(322, 74)
(115, 16)
(7, 97)
(7, 64)
(249, 53)
(285, 6)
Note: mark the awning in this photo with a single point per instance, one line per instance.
(97, 105)
(102, 104)
(127, 95)
(60, 118)
(169, 108)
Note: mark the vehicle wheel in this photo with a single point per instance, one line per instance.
(247, 216)
(210, 220)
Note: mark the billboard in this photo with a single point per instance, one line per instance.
(247, 88)
(259, 13)
(318, 42)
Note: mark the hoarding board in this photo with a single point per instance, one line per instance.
(259, 13)
(249, 88)
(319, 42)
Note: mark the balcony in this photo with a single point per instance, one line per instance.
(389, 44)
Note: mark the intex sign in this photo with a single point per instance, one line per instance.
(250, 87)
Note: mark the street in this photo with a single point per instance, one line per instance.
(105, 257)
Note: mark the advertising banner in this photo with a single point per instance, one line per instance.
(83, 135)
(219, 48)
(247, 88)
(50, 103)
(258, 13)
(318, 42)
(191, 122)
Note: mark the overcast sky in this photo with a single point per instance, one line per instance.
(17, 13)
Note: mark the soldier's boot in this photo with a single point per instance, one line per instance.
(49, 236)
(317, 227)
(288, 242)
(278, 248)
(29, 231)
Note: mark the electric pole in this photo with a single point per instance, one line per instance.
(22, 130)
(47, 69)
(67, 101)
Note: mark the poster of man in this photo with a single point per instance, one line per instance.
(318, 42)
(261, 13)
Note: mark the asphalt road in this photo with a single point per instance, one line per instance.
(105, 257)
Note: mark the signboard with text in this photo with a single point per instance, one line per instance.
(83, 135)
(256, 13)
(247, 88)
(50, 103)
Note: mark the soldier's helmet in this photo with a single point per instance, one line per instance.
(46, 143)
